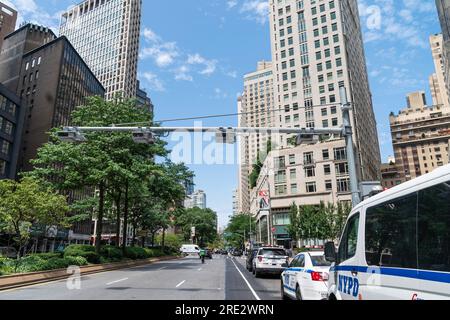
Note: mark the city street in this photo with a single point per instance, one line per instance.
(187, 279)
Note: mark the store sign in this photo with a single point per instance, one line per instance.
(264, 200)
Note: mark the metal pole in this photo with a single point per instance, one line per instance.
(449, 151)
(348, 133)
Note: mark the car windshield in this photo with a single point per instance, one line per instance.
(320, 261)
(273, 252)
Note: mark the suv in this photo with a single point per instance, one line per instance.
(270, 260)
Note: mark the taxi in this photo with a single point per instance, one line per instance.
(306, 278)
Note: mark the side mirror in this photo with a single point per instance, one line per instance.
(330, 252)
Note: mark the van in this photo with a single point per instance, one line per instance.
(396, 245)
(190, 249)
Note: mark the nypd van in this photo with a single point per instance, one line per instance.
(396, 245)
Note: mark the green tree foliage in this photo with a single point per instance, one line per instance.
(234, 233)
(322, 222)
(29, 202)
(204, 221)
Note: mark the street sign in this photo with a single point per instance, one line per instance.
(192, 232)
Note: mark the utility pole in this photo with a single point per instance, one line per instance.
(348, 133)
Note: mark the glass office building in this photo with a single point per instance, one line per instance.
(106, 35)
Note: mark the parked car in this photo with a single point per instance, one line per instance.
(270, 260)
(8, 252)
(237, 253)
(306, 278)
(224, 252)
(251, 255)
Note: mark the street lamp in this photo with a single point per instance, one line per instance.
(71, 136)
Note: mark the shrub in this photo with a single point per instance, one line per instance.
(47, 256)
(111, 253)
(87, 252)
(172, 241)
(136, 253)
(77, 261)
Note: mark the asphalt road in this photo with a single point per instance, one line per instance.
(222, 278)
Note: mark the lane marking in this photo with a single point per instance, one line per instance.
(180, 284)
(117, 281)
(199, 269)
(248, 283)
(162, 268)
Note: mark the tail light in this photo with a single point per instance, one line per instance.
(260, 259)
(317, 276)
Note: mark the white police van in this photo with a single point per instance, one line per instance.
(396, 245)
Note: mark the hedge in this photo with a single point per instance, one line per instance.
(110, 253)
(136, 253)
(85, 251)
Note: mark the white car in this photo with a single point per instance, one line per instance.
(306, 278)
(270, 260)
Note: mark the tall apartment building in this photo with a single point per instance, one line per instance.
(15, 45)
(420, 136)
(11, 124)
(143, 99)
(54, 80)
(317, 48)
(106, 35)
(438, 89)
(236, 202)
(256, 108)
(197, 199)
(8, 19)
(443, 8)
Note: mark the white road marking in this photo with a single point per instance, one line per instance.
(117, 281)
(200, 269)
(248, 284)
(180, 284)
(162, 268)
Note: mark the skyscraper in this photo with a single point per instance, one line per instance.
(256, 108)
(106, 35)
(8, 19)
(443, 8)
(317, 47)
(15, 45)
(438, 88)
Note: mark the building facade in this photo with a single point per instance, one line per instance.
(438, 88)
(106, 35)
(420, 136)
(443, 8)
(196, 200)
(54, 80)
(255, 107)
(236, 202)
(143, 99)
(15, 45)
(11, 124)
(317, 48)
(8, 19)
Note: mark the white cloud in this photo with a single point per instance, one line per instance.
(29, 11)
(152, 81)
(257, 10)
(182, 74)
(163, 53)
(231, 4)
(209, 66)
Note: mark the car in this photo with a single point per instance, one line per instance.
(249, 262)
(190, 250)
(8, 252)
(224, 252)
(270, 260)
(396, 244)
(306, 278)
(237, 253)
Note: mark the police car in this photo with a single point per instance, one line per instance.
(396, 245)
(306, 278)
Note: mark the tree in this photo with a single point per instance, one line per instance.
(294, 227)
(238, 229)
(204, 221)
(26, 203)
(107, 162)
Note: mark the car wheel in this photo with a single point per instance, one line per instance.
(298, 293)
(283, 294)
(257, 274)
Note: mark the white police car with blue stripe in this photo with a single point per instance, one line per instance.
(306, 278)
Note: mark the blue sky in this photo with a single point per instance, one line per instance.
(194, 54)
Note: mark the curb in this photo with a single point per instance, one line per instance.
(28, 279)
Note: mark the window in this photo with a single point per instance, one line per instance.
(340, 154)
(308, 158)
(391, 233)
(292, 159)
(294, 188)
(326, 154)
(341, 168)
(280, 190)
(310, 172)
(2, 167)
(328, 185)
(434, 228)
(327, 169)
(349, 241)
(343, 185)
(311, 187)
(281, 219)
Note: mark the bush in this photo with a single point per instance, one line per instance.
(110, 253)
(47, 256)
(87, 252)
(136, 253)
(172, 241)
(77, 261)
